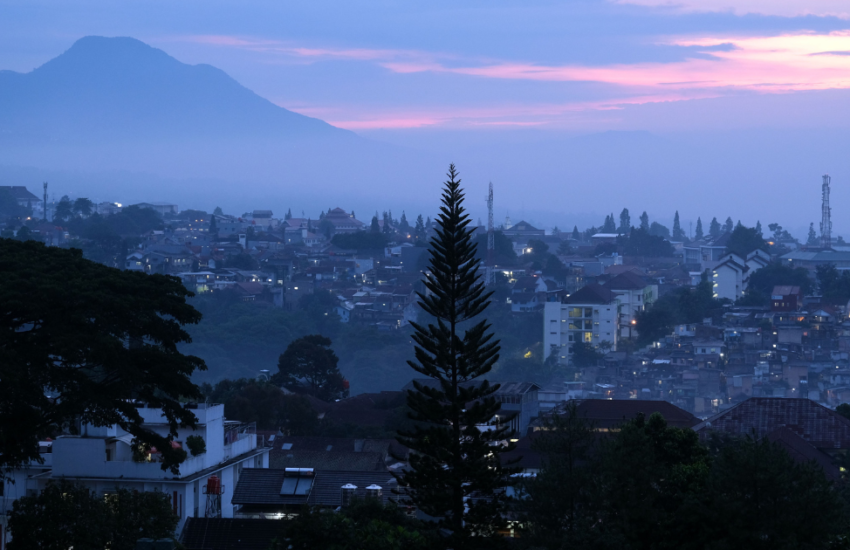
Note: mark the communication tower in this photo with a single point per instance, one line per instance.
(826, 218)
(491, 238)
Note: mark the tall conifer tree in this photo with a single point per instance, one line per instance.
(452, 458)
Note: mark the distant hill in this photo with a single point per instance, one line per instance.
(103, 89)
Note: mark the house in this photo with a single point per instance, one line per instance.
(103, 459)
(805, 428)
(786, 298)
(519, 400)
(608, 414)
(274, 493)
(730, 277)
(523, 229)
(343, 222)
(591, 316)
(634, 294)
(22, 195)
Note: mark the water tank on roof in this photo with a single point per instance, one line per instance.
(374, 491)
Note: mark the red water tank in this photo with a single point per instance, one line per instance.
(214, 485)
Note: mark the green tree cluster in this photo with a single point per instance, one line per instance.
(680, 306)
(774, 274)
(309, 365)
(744, 240)
(650, 486)
(364, 525)
(642, 243)
(361, 240)
(66, 515)
(833, 285)
(80, 342)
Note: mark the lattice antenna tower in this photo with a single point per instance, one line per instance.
(491, 238)
(826, 216)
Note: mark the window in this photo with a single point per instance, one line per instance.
(588, 325)
(588, 312)
(575, 312)
(588, 337)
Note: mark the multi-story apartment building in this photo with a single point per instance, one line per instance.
(591, 315)
(634, 295)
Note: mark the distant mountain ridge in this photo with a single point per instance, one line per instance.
(103, 89)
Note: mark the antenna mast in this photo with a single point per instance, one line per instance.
(826, 221)
(491, 238)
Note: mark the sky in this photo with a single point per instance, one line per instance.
(744, 82)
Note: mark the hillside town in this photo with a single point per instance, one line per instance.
(727, 330)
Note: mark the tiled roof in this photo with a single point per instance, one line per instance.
(628, 280)
(228, 533)
(785, 290)
(814, 423)
(611, 412)
(261, 487)
(591, 294)
(347, 460)
(802, 451)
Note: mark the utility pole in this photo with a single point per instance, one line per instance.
(44, 204)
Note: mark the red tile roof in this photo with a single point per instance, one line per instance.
(814, 423)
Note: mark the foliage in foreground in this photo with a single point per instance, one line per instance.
(66, 515)
(655, 487)
(79, 341)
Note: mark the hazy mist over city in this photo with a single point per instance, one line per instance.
(710, 108)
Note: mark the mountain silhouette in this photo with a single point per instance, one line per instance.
(103, 89)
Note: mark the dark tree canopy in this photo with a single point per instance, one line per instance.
(744, 240)
(642, 243)
(452, 458)
(774, 274)
(249, 400)
(833, 285)
(310, 365)
(80, 340)
(66, 515)
(503, 248)
(659, 230)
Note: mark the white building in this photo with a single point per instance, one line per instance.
(590, 315)
(730, 278)
(103, 460)
(634, 295)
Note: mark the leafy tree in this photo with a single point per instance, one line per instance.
(243, 261)
(774, 274)
(560, 503)
(64, 209)
(683, 305)
(250, 400)
(625, 222)
(729, 225)
(641, 243)
(844, 410)
(360, 240)
(403, 226)
(326, 228)
(659, 230)
(564, 248)
(83, 207)
(759, 497)
(24, 234)
(758, 228)
(644, 221)
(678, 234)
(364, 525)
(714, 228)
(503, 253)
(744, 240)
(213, 230)
(833, 286)
(134, 220)
(219, 212)
(584, 355)
(698, 234)
(609, 226)
(80, 341)
(419, 229)
(375, 227)
(452, 458)
(312, 360)
(576, 234)
(67, 515)
(387, 227)
(812, 239)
